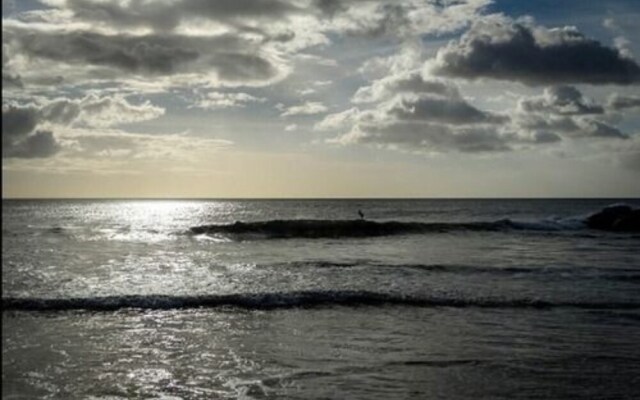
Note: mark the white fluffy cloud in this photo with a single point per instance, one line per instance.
(411, 112)
(218, 100)
(307, 108)
(564, 111)
(418, 114)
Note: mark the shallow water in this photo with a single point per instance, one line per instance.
(140, 306)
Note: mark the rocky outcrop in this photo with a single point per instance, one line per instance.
(618, 218)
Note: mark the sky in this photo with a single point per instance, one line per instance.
(320, 98)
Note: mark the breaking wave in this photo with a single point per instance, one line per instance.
(317, 228)
(616, 218)
(286, 300)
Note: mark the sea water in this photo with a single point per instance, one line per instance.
(301, 299)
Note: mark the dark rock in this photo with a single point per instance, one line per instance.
(619, 218)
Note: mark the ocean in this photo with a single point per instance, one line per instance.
(422, 299)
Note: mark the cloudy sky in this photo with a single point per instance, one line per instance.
(320, 98)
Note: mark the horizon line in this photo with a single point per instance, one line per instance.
(325, 198)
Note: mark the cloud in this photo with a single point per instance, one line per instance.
(167, 15)
(399, 19)
(565, 112)
(563, 100)
(97, 111)
(18, 121)
(620, 42)
(440, 109)
(322, 83)
(567, 127)
(9, 79)
(415, 113)
(416, 97)
(219, 43)
(630, 160)
(497, 47)
(155, 46)
(305, 92)
(109, 143)
(339, 121)
(412, 82)
(221, 59)
(368, 17)
(627, 154)
(218, 100)
(419, 115)
(308, 108)
(426, 137)
(23, 136)
(19, 140)
(617, 102)
(40, 144)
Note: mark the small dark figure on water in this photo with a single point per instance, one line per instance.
(360, 214)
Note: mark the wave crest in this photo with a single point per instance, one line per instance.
(280, 300)
(622, 218)
(317, 228)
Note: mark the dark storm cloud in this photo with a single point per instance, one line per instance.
(500, 48)
(600, 129)
(331, 7)
(146, 54)
(238, 67)
(542, 137)
(19, 121)
(41, 144)
(618, 102)
(230, 56)
(18, 137)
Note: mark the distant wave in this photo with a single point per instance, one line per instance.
(317, 228)
(625, 274)
(285, 300)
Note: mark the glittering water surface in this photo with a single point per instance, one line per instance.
(538, 306)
